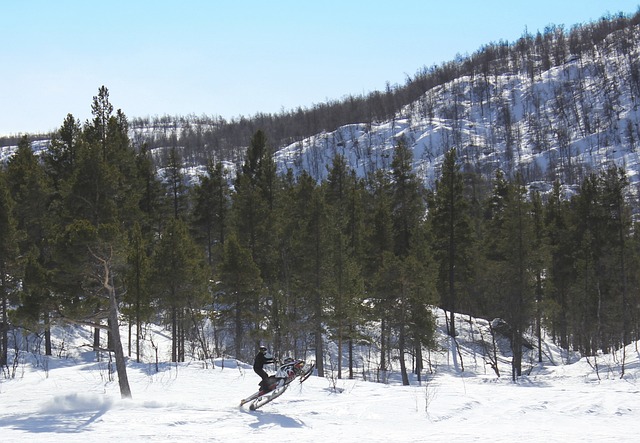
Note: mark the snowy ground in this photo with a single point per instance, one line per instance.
(73, 400)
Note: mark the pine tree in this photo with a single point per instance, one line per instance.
(151, 201)
(561, 271)
(451, 232)
(310, 270)
(379, 250)
(8, 264)
(99, 202)
(137, 285)
(408, 205)
(62, 154)
(238, 299)
(540, 262)
(587, 295)
(30, 190)
(346, 225)
(616, 250)
(179, 280)
(176, 188)
(407, 296)
(211, 208)
(256, 211)
(511, 256)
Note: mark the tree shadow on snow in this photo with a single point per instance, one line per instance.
(68, 423)
(69, 413)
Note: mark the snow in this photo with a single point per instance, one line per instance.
(73, 398)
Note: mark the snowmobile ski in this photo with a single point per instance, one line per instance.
(268, 397)
(305, 375)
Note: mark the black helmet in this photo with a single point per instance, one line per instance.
(263, 349)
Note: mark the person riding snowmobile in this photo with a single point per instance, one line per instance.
(262, 358)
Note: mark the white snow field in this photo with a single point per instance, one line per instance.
(72, 398)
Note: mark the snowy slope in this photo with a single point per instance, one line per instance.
(454, 115)
(73, 399)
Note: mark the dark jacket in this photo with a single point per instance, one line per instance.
(261, 360)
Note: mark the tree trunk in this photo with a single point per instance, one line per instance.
(121, 364)
(114, 329)
(351, 355)
(174, 334)
(383, 347)
(47, 334)
(401, 350)
(4, 326)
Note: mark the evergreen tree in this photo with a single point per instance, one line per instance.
(310, 272)
(451, 231)
(379, 249)
(179, 280)
(102, 110)
(238, 299)
(176, 188)
(256, 211)
(616, 252)
(511, 258)
(138, 296)
(587, 296)
(151, 201)
(30, 190)
(211, 208)
(539, 261)
(408, 205)
(409, 293)
(99, 202)
(347, 292)
(561, 271)
(62, 154)
(8, 264)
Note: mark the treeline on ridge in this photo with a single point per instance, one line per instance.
(213, 138)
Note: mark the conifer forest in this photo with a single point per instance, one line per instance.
(106, 223)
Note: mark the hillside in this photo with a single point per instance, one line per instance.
(74, 398)
(556, 105)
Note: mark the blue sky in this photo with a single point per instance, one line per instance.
(232, 58)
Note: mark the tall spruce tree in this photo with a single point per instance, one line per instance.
(174, 181)
(138, 296)
(407, 215)
(408, 204)
(587, 300)
(256, 218)
(238, 289)
(62, 154)
(100, 200)
(341, 191)
(616, 250)
(511, 256)
(310, 270)
(539, 262)
(30, 190)
(8, 264)
(561, 270)
(211, 208)
(451, 232)
(179, 279)
(379, 250)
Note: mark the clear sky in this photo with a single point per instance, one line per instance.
(240, 57)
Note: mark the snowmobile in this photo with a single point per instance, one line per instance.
(274, 386)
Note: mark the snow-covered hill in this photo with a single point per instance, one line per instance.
(560, 123)
(72, 398)
(569, 120)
